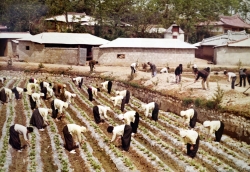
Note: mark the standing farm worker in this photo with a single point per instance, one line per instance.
(14, 139)
(123, 132)
(131, 118)
(70, 131)
(150, 106)
(5, 95)
(18, 91)
(242, 74)
(178, 72)
(57, 107)
(215, 126)
(99, 109)
(92, 64)
(191, 117)
(78, 81)
(203, 74)
(152, 68)
(107, 85)
(39, 118)
(232, 76)
(92, 91)
(191, 139)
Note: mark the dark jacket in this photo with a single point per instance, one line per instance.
(202, 73)
(178, 70)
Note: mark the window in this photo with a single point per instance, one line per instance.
(27, 47)
(174, 37)
(121, 56)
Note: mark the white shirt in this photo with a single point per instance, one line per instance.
(121, 93)
(116, 99)
(8, 93)
(68, 96)
(50, 91)
(77, 80)
(59, 104)
(45, 84)
(134, 65)
(214, 126)
(104, 84)
(44, 113)
(164, 70)
(94, 91)
(129, 117)
(31, 86)
(36, 98)
(188, 114)
(148, 107)
(21, 130)
(19, 90)
(103, 110)
(230, 75)
(76, 130)
(190, 137)
(118, 131)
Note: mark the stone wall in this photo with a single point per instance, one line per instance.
(38, 53)
(236, 126)
(158, 56)
(232, 55)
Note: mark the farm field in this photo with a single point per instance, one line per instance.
(156, 146)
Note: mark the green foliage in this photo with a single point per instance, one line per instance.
(41, 65)
(198, 102)
(187, 101)
(218, 95)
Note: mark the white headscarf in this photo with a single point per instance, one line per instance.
(183, 113)
(121, 117)
(183, 133)
(206, 123)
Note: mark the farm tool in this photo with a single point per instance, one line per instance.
(245, 92)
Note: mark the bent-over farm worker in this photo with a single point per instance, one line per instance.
(92, 91)
(98, 110)
(151, 106)
(131, 118)
(123, 132)
(39, 118)
(216, 127)
(57, 106)
(191, 139)
(190, 116)
(16, 130)
(71, 131)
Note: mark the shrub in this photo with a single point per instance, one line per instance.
(198, 102)
(189, 65)
(218, 95)
(187, 101)
(40, 65)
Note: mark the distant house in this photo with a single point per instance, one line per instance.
(7, 46)
(206, 48)
(174, 32)
(124, 51)
(232, 53)
(59, 22)
(224, 24)
(3, 28)
(58, 48)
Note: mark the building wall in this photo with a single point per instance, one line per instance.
(160, 57)
(205, 52)
(40, 54)
(232, 55)
(170, 36)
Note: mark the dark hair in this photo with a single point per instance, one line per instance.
(225, 72)
(25, 90)
(98, 89)
(50, 84)
(30, 129)
(195, 70)
(96, 62)
(110, 129)
(148, 63)
(180, 64)
(4, 78)
(244, 70)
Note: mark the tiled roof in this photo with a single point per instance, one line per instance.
(241, 43)
(234, 21)
(147, 43)
(66, 38)
(169, 30)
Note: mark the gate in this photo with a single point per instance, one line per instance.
(82, 56)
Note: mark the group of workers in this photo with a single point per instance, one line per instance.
(45, 90)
